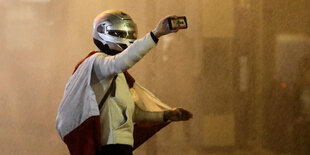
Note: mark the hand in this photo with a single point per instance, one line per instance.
(162, 27)
(177, 114)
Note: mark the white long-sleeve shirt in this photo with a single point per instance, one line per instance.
(118, 113)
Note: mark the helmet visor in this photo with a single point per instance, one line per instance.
(123, 34)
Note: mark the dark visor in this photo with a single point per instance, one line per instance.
(123, 34)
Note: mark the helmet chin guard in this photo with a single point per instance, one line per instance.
(114, 29)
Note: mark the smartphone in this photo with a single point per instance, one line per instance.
(176, 23)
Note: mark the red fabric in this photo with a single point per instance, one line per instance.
(85, 139)
(143, 131)
(129, 79)
(81, 61)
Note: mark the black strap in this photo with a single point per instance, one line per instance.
(111, 91)
(155, 39)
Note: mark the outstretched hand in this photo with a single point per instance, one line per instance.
(162, 27)
(177, 114)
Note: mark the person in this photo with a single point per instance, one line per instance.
(104, 110)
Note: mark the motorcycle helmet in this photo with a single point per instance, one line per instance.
(113, 31)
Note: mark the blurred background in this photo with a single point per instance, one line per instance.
(242, 67)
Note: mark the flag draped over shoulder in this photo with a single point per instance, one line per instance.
(78, 119)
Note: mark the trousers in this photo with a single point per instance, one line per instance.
(115, 149)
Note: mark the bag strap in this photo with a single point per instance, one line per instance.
(111, 90)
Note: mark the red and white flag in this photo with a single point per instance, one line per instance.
(78, 119)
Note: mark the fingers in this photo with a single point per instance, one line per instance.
(168, 28)
(173, 31)
(178, 114)
(184, 114)
(166, 24)
(162, 27)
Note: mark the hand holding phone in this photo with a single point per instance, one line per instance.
(170, 24)
(176, 23)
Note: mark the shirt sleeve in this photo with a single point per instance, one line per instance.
(143, 116)
(106, 66)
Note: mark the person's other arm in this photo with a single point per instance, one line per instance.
(157, 111)
(175, 114)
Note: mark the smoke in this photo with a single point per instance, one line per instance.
(229, 68)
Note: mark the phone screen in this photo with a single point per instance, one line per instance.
(178, 23)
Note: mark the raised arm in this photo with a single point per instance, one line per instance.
(105, 66)
(110, 65)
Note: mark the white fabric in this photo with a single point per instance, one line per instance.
(119, 113)
(116, 115)
(80, 100)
